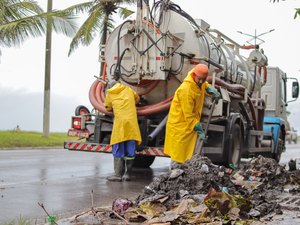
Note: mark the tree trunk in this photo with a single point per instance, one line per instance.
(46, 117)
(102, 43)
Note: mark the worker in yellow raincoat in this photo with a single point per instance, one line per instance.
(183, 123)
(126, 134)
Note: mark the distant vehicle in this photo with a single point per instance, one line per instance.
(291, 136)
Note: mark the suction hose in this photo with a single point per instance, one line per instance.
(97, 98)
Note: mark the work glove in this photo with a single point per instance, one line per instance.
(198, 128)
(216, 95)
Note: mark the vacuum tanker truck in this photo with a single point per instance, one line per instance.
(153, 54)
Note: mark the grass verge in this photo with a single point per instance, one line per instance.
(19, 139)
(19, 221)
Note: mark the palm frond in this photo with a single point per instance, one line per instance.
(15, 9)
(62, 22)
(80, 8)
(99, 21)
(16, 32)
(110, 24)
(127, 2)
(88, 30)
(124, 12)
(27, 7)
(297, 13)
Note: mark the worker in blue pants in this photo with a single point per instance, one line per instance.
(125, 135)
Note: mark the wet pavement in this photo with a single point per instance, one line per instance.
(63, 180)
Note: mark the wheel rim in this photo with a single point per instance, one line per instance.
(236, 145)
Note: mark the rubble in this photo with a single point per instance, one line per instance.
(196, 176)
(265, 170)
(199, 191)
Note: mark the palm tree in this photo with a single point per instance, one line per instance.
(99, 22)
(23, 19)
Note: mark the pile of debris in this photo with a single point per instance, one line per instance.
(200, 192)
(193, 178)
(267, 171)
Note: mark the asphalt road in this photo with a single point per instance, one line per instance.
(63, 181)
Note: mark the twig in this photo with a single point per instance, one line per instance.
(80, 214)
(92, 209)
(120, 217)
(112, 211)
(42, 206)
(92, 196)
(95, 211)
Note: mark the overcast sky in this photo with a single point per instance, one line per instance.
(22, 69)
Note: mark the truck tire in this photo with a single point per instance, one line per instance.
(277, 156)
(82, 110)
(235, 147)
(142, 161)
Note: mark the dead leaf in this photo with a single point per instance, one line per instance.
(160, 224)
(234, 213)
(169, 216)
(200, 220)
(183, 206)
(220, 201)
(198, 208)
(153, 209)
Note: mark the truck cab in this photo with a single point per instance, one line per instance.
(274, 93)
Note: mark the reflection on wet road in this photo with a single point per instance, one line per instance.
(62, 180)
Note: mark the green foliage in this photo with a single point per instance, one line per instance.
(19, 221)
(51, 219)
(297, 13)
(99, 20)
(22, 19)
(15, 139)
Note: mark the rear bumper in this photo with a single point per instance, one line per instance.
(95, 147)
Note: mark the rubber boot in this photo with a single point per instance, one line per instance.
(119, 170)
(128, 170)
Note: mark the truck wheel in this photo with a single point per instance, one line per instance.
(142, 161)
(82, 110)
(235, 151)
(277, 155)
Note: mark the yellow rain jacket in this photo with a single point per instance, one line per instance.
(184, 114)
(122, 100)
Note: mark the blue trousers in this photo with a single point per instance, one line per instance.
(125, 149)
